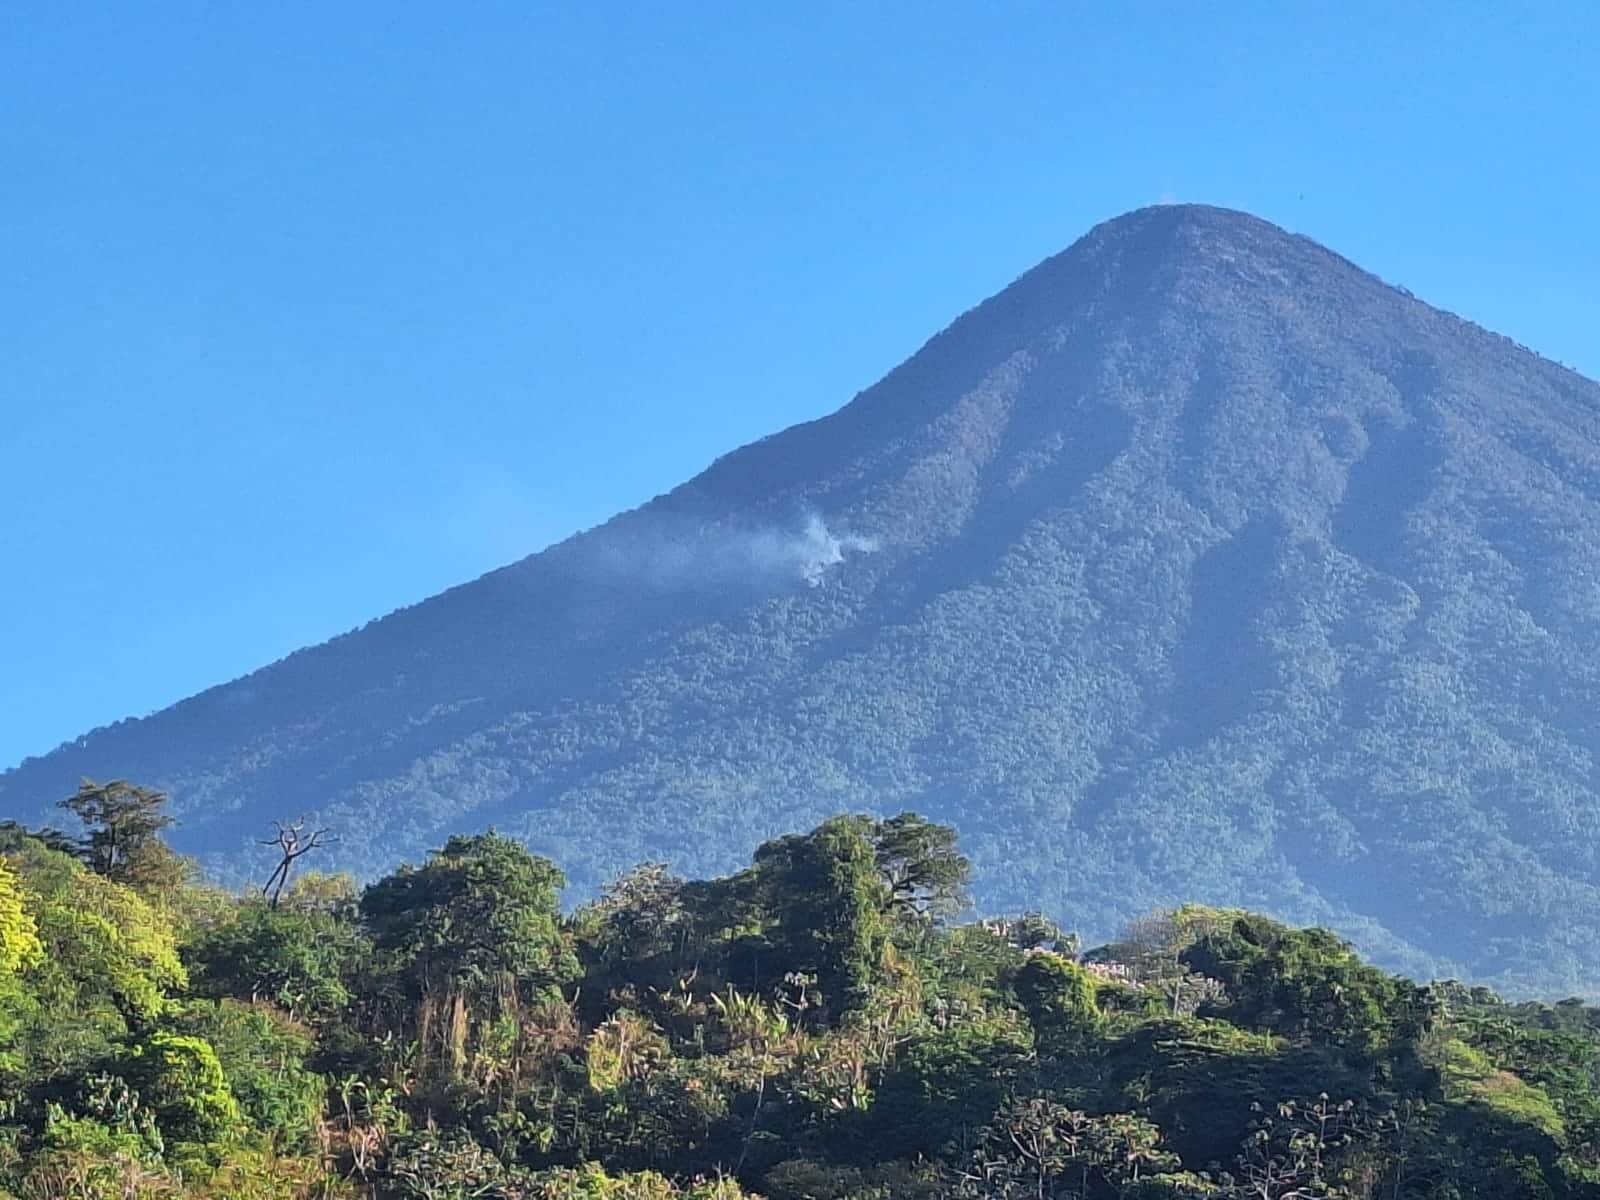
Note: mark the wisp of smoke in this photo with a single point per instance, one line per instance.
(806, 555)
(671, 554)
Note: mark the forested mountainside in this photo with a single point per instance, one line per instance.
(815, 1026)
(1197, 563)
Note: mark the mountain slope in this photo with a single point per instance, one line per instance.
(1197, 563)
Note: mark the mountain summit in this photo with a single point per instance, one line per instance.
(1198, 564)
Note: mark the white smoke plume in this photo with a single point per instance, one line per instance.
(673, 554)
(806, 555)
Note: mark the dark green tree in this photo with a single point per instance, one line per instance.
(944, 1088)
(828, 905)
(298, 960)
(1309, 985)
(122, 834)
(263, 1053)
(180, 1077)
(1059, 998)
(923, 871)
(477, 925)
(639, 916)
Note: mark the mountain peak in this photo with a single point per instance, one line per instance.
(1202, 279)
(1162, 222)
(1158, 218)
(1162, 241)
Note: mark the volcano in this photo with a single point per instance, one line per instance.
(1196, 564)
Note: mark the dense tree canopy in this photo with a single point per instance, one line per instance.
(829, 903)
(814, 1027)
(480, 908)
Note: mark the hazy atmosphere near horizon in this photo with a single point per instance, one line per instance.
(316, 312)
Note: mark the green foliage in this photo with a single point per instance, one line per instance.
(807, 1179)
(800, 1030)
(255, 1172)
(107, 962)
(624, 1049)
(431, 1166)
(1301, 1149)
(1059, 998)
(829, 907)
(594, 1183)
(122, 839)
(1470, 1075)
(82, 1156)
(20, 947)
(965, 968)
(20, 950)
(263, 1054)
(182, 1080)
(640, 916)
(1309, 985)
(480, 908)
(297, 959)
(1042, 1150)
(946, 1086)
(925, 873)
(1199, 1079)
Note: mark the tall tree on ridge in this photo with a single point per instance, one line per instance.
(122, 838)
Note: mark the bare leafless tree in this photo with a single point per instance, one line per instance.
(292, 841)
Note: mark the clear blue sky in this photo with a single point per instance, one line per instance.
(312, 310)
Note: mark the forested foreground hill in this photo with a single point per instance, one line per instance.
(815, 1026)
(1198, 563)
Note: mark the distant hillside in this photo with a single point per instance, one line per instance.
(1197, 563)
